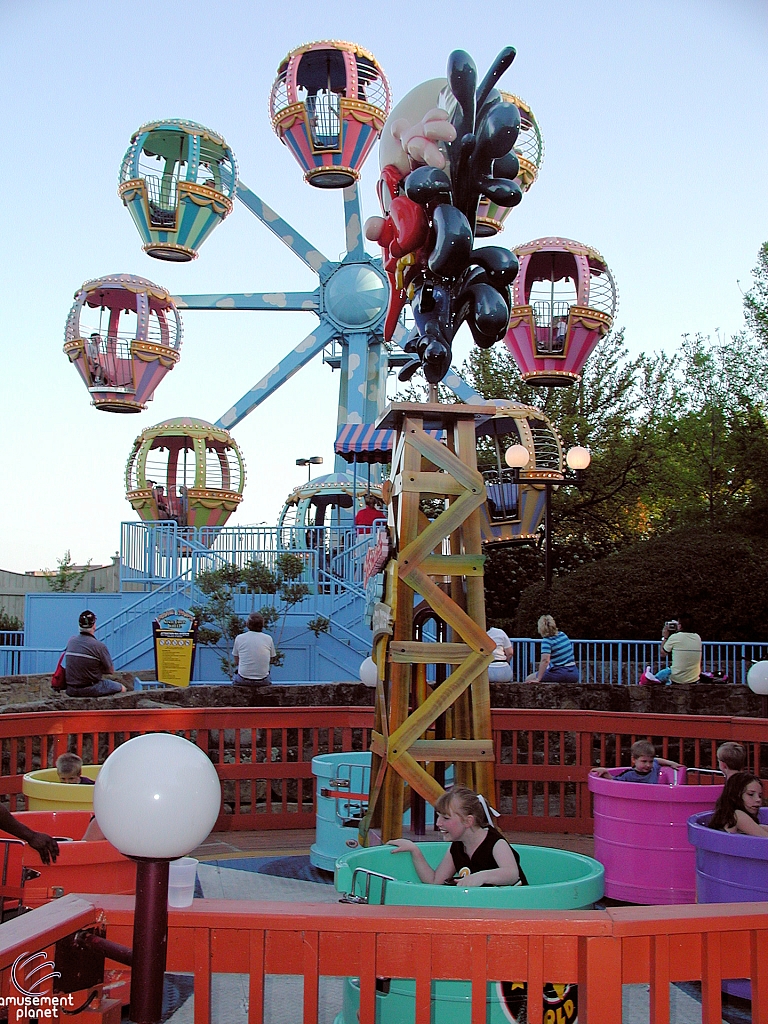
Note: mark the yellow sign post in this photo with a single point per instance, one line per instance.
(175, 636)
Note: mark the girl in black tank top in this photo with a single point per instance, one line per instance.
(478, 852)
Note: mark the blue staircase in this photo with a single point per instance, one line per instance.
(159, 565)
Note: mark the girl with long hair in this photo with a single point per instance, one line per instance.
(478, 853)
(737, 807)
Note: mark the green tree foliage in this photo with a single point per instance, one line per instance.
(713, 439)
(713, 580)
(220, 623)
(9, 623)
(66, 578)
(756, 300)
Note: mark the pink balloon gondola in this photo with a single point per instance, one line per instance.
(329, 103)
(564, 301)
(123, 335)
(641, 835)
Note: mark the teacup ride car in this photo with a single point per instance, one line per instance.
(343, 781)
(44, 791)
(641, 835)
(558, 880)
(730, 868)
(81, 866)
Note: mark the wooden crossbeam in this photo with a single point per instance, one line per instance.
(433, 535)
(452, 750)
(436, 703)
(419, 779)
(445, 459)
(448, 610)
(414, 652)
(453, 565)
(428, 483)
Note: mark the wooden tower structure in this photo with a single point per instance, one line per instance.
(441, 561)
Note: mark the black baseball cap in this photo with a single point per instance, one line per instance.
(87, 619)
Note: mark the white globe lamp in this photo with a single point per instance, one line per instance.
(517, 456)
(757, 678)
(369, 673)
(578, 458)
(157, 796)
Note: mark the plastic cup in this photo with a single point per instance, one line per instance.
(181, 881)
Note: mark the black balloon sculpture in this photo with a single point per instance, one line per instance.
(459, 283)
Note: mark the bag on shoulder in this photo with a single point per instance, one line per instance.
(59, 677)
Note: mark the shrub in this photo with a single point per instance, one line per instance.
(713, 580)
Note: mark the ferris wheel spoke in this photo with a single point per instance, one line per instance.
(306, 252)
(278, 375)
(353, 221)
(277, 301)
(456, 383)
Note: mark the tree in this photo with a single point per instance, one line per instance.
(9, 623)
(67, 578)
(756, 299)
(714, 434)
(219, 621)
(709, 578)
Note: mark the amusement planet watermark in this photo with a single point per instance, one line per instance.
(46, 1006)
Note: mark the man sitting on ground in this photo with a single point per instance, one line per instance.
(87, 659)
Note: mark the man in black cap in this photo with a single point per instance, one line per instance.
(87, 659)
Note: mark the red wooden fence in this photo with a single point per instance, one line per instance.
(263, 755)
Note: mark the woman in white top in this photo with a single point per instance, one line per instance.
(500, 671)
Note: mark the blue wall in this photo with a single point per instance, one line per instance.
(51, 619)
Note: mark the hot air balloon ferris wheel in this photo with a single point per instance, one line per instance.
(456, 155)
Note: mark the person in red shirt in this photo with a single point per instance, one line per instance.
(368, 515)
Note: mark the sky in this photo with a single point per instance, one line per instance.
(654, 117)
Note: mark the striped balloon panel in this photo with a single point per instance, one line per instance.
(519, 341)
(82, 369)
(580, 341)
(357, 139)
(195, 223)
(138, 211)
(203, 515)
(488, 209)
(532, 506)
(147, 375)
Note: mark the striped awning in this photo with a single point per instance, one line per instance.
(362, 442)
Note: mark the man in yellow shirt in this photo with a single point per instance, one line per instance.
(685, 651)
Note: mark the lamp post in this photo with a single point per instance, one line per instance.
(157, 798)
(316, 460)
(577, 459)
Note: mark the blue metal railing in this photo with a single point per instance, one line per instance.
(614, 662)
(621, 662)
(153, 553)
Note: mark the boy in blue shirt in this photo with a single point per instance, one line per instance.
(646, 767)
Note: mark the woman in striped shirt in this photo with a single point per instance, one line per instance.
(557, 664)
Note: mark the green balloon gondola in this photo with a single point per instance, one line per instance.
(178, 181)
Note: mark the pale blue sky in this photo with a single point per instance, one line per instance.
(654, 120)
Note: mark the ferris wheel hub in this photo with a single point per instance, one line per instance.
(355, 295)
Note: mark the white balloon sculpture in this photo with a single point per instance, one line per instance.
(757, 678)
